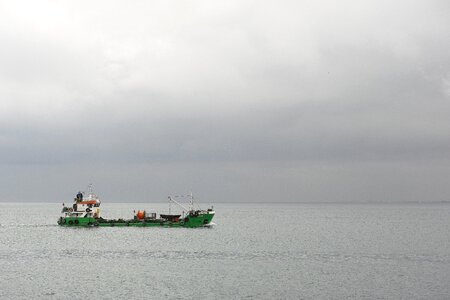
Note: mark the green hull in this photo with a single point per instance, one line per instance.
(190, 221)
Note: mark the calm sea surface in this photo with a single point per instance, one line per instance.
(255, 251)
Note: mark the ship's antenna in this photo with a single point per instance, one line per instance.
(191, 203)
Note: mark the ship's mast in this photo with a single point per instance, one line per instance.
(90, 189)
(191, 202)
(170, 205)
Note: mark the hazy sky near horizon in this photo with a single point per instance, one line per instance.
(234, 100)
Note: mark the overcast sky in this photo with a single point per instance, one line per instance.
(239, 101)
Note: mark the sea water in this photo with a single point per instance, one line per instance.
(255, 251)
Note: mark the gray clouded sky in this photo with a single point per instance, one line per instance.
(234, 100)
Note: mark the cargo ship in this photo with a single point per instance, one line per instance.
(85, 211)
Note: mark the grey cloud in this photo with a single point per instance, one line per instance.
(277, 100)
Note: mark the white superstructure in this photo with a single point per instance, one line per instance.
(83, 207)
